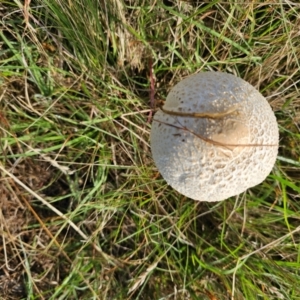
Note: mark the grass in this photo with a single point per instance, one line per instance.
(84, 212)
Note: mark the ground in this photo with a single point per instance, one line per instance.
(84, 213)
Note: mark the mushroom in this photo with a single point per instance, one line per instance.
(215, 137)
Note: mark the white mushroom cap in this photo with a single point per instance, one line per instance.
(212, 159)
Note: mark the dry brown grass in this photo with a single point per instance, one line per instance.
(83, 212)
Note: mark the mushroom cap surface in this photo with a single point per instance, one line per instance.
(216, 137)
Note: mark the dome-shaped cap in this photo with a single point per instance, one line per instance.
(215, 137)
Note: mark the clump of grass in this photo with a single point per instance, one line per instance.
(84, 212)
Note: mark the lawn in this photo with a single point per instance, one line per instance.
(84, 212)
